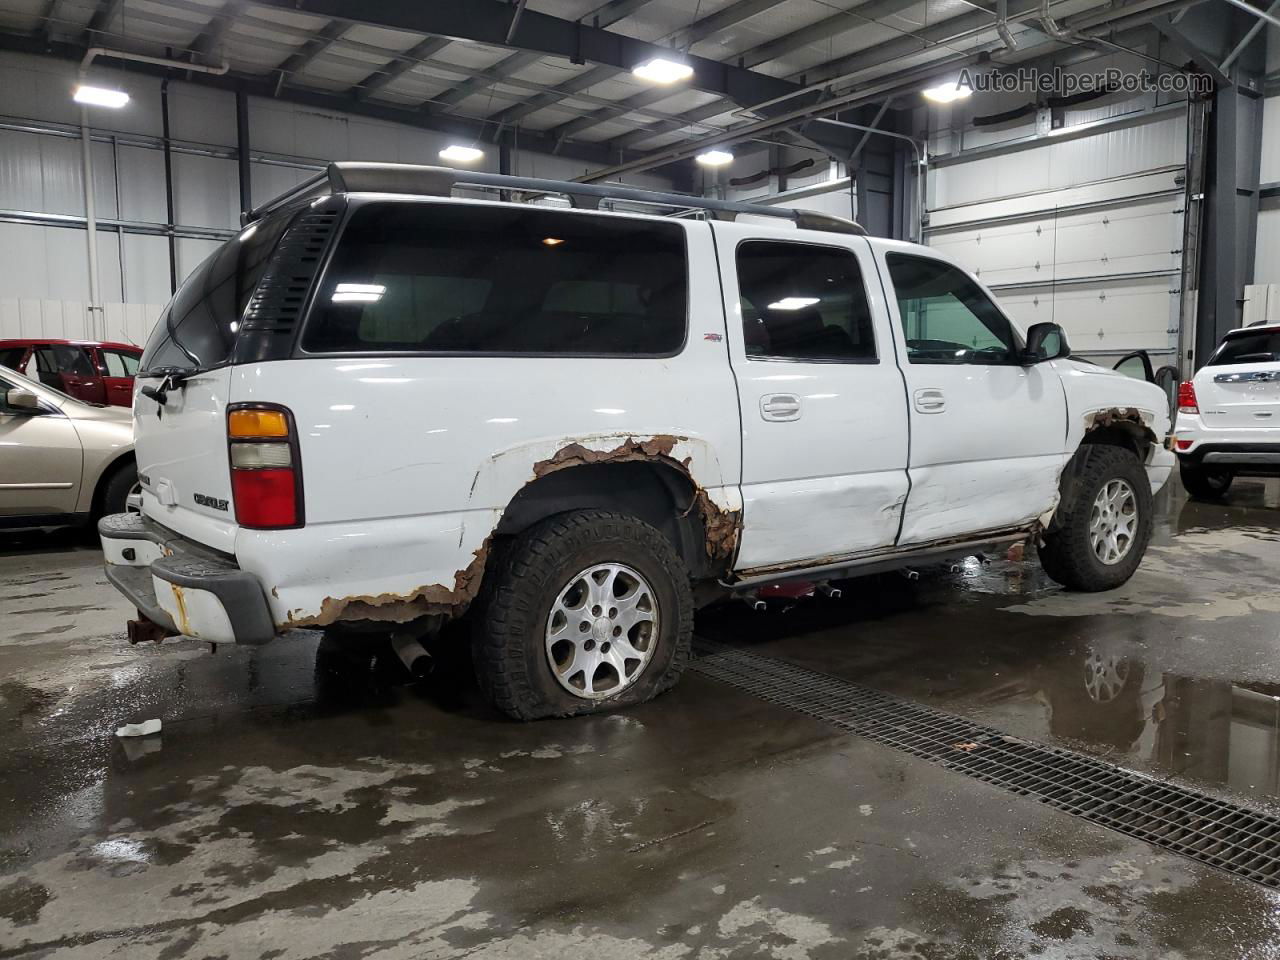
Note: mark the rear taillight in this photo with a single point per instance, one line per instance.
(1187, 398)
(266, 476)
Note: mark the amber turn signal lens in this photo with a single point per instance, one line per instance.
(258, 423)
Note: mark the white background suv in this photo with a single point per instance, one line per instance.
(382, 404)
(1229, 414)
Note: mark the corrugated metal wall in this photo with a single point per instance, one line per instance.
(1081, 228)
(44, 272)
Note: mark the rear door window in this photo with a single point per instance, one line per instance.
(12, 356)
(120, 364)
(801, 301)
(472, 279)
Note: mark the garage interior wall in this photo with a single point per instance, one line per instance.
(44, 286)
(1072, 215)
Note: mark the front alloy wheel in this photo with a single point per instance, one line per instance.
(1113, 521)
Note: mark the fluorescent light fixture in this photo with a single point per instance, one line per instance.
(358, 293)
(947, 92)
(100, 96)
(662, 70)
(552, 241)
(793, 303)
(714, 158)
(460, 154)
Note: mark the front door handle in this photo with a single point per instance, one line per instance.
(780, 406)
(930, 400)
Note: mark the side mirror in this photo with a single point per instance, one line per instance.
(1045, 341)
(21, 400)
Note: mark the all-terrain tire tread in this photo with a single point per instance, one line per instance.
(512, 600)
(1066, 554)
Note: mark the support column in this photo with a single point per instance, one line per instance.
(242, 151)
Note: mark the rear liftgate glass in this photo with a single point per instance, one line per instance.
(1235, 838)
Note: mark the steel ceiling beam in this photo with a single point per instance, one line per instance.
(327, 37)
(487, 21)
(215, 31)
(829, 26)
(606, 16)
(383, 77)
(101, 19)
(260, 85)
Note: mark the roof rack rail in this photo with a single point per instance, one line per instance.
(348, 177)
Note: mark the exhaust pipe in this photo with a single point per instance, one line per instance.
(412, 654)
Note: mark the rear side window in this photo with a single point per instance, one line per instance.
(439, 278)
(946, 318)
(801, 301)
(12, 356)
(1260, 347)
(198, 327)
(119, 363)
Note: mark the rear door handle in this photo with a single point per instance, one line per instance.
(930, 400)
(780, 406)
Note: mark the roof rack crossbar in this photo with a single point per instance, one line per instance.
(348, 177)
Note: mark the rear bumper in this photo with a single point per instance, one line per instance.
(182, 586)
(1262, 459)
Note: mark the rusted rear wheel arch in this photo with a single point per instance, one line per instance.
(659, 493)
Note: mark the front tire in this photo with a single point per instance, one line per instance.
(587, 611)
(120, 490)
(1205, 483)
(1103, 523)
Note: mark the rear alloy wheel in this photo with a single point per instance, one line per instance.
(602, 631)
(1103, 523)
(1205, 483)
(584, 612)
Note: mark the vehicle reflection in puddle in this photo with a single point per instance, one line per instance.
(1214, 731)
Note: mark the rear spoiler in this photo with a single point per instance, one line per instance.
(440, 182)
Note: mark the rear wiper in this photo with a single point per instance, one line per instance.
(172, 379)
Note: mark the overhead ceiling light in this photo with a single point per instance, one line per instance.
(358, 293)
(552, 241)
(793, 303)
(714, 158)
(662, 70)
(947, 92)
(100, 96)
(461, 154)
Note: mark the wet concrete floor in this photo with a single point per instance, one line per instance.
(306, 799)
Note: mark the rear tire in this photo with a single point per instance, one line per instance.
(1205, 483)
(1103, 524)
(584, 591)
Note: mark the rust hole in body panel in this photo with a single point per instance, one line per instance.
(721, 527)
(433, 599)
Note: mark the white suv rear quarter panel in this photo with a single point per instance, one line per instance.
(409, 461)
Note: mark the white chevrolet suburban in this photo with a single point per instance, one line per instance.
(1228, 421)
(383, 403)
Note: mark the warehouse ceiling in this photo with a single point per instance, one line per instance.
(556, 75)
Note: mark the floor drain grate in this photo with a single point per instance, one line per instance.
(1235, 838)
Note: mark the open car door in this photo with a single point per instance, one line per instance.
(1138, 366)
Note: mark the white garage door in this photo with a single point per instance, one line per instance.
(1070, 231)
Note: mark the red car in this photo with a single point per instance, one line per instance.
(85, 369)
